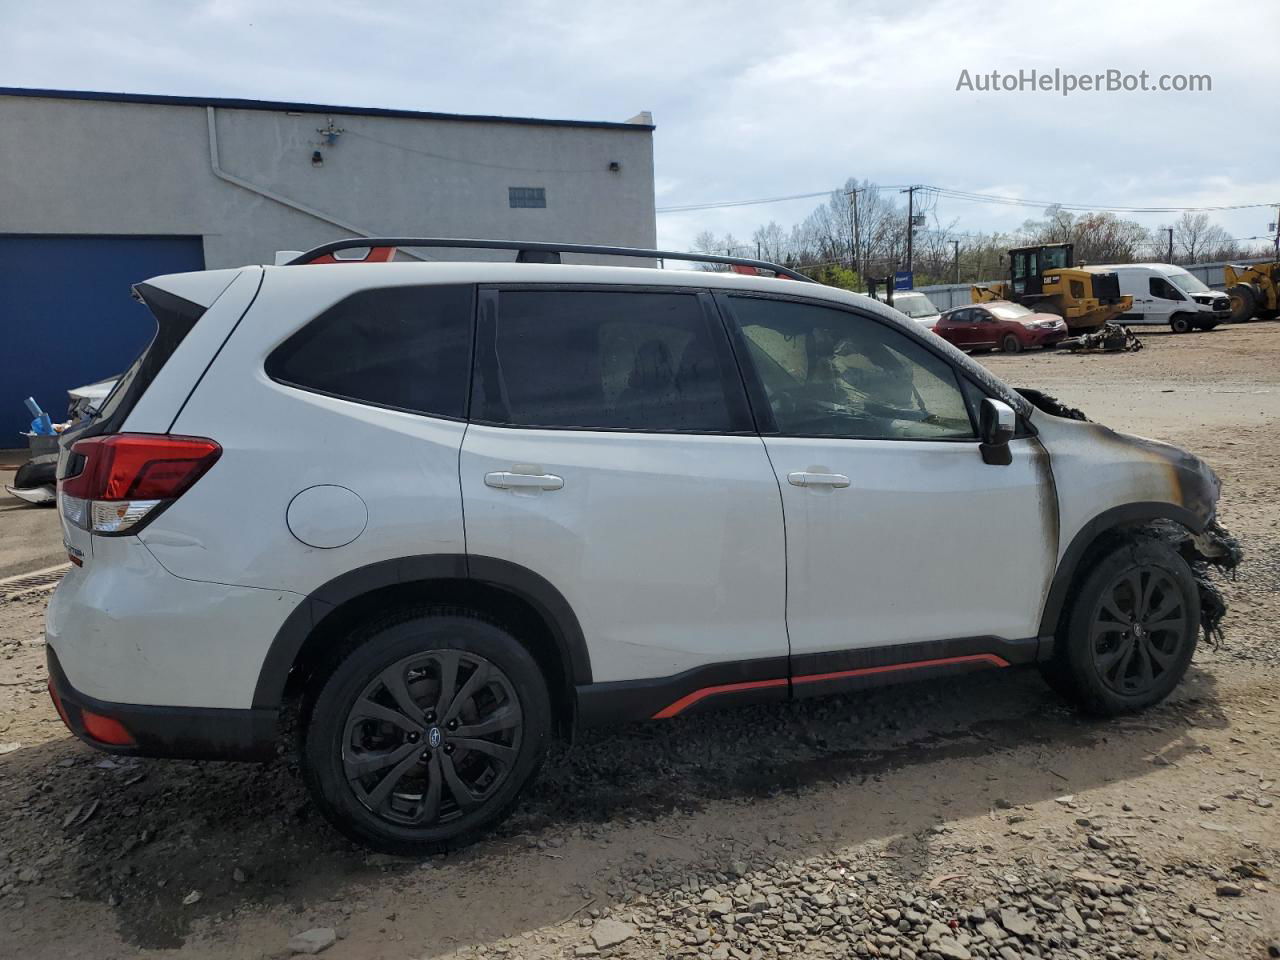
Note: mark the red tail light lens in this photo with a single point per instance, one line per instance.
(125, 476)
(107, 730)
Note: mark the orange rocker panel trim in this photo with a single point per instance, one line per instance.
(688, 700)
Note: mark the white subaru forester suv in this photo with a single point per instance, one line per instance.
(452, 509)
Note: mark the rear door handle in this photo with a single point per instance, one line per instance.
(504, 480)
(802, 479)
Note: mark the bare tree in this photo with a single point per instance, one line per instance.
(770, 242)
(1197, 239)
(825, 239)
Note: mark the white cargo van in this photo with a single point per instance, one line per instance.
(915, 305)
(1163, 293)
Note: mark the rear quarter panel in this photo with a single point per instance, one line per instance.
(277, 441)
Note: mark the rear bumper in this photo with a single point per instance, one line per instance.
(196, 733)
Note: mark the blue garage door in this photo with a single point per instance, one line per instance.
(67, 317)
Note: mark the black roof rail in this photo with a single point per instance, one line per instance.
(537, 252)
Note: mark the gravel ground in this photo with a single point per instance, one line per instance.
(975, 817)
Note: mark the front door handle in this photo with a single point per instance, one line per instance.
(504, 480)
(803, 479)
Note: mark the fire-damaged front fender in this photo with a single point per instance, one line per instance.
(1108, 482)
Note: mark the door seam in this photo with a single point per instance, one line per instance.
(786, 563)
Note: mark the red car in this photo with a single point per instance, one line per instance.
(1009, 326)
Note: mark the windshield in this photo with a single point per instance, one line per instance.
(1188, 282)
(1010, 311)
(914, 305)
(1053, 258)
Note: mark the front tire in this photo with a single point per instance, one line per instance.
(1011, 344)
(1180, 323)
(1129, 637)
(1244, 302)
(426, 731)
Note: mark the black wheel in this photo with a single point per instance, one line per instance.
(1244, 302)
(424, 734)
(1180, 322)
(1128, 639)
(1011, 344)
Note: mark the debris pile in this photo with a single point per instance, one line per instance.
(1109, 338)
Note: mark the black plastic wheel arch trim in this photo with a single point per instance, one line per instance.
(187, 733)
(521, 582)
(1121, 516)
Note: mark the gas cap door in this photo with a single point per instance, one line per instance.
(327, 516)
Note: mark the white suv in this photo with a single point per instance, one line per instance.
(452, 509)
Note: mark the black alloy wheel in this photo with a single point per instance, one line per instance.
(432, 737)
(424, 727)
(1139, 631)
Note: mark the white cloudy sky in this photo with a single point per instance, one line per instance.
(750, 99)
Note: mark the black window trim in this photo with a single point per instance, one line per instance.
(763, 410)
(465, 418)
(731, 377)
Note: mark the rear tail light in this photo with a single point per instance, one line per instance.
(125, 477)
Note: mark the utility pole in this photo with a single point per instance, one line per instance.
(1170, 229)
(853, 208)
(911, 225)
(955, 247)
(757, 249)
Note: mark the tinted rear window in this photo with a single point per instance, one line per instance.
(607, 361)
(403, 347)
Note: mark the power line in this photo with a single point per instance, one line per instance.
(743, 203)
(1088, 207)
(973, 197)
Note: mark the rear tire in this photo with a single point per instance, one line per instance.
(1244, 302)
(425, 731)
(1180, 323)
(1011, 344)
(1131, 631)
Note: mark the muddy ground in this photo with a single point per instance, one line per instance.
(974, 817)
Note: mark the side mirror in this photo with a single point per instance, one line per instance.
(996, 425)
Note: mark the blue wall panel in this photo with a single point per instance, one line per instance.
(67, 317)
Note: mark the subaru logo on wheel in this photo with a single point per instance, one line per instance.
(434, 736)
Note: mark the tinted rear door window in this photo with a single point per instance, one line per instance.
(607, 360)
(408, 348)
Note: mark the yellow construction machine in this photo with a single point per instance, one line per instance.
(1254, 290)
(1046, 279)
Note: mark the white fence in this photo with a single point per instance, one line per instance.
(948, 295)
